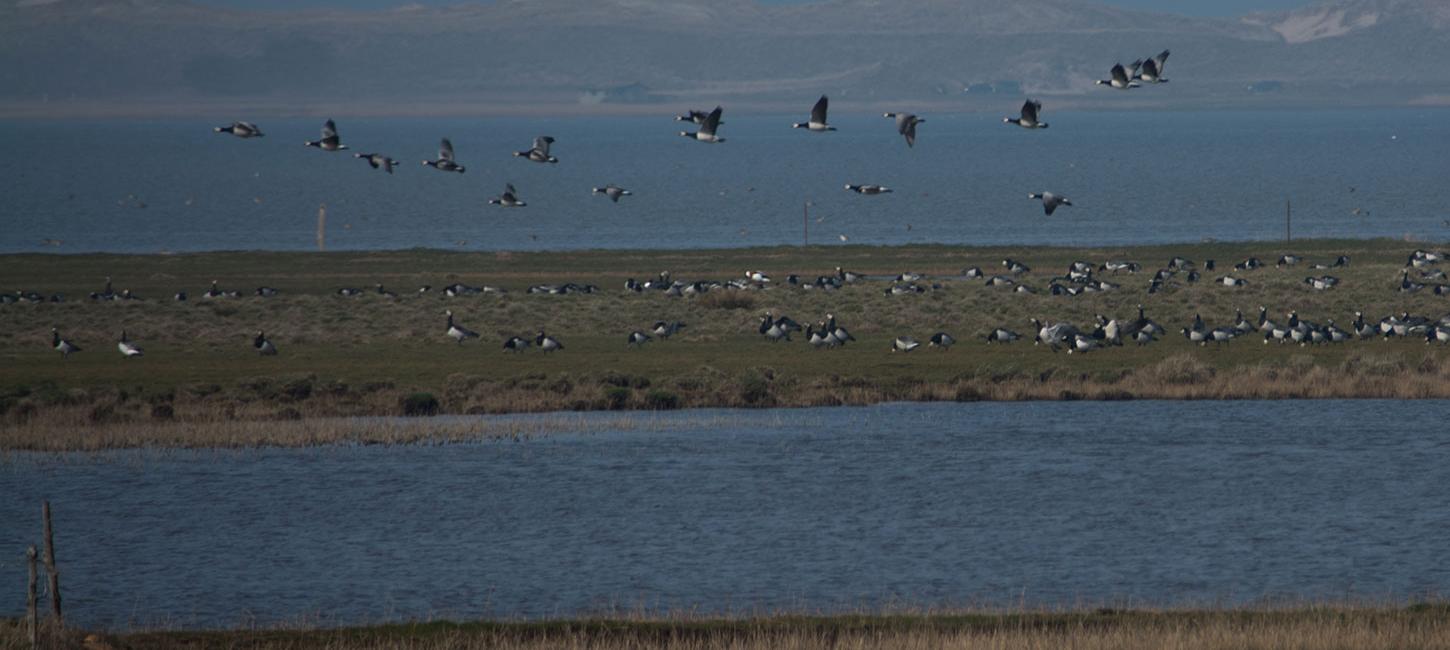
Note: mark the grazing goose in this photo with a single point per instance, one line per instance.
(1000, 335)
(665, 329)
(1053, 334)
(638, 338)
(377, 160)
(847, 276)
(1131, 267)
(1014, 266)
(1029, 120)
(384, 292)
(1406, 286)
(63, 346)
(1050, 201)
(972, 273)
(242, 130)
(613, 192)
(458, 332)
(904, 344)
(757, 277)
(540, 151)
(1000, 281)
(547, 343)
(942, 340)
(1119, 79)
(1250, 264)
(817, 123)
(516, 344)
(1437, 333)
(1322, 283)
(1222, 335)
(1288, 260)
(1152, 70)
(127, 348)
(180, 296)
(446, 161)
(1082, 344)
(1200, 337)
(1143, 337)
(349, 292)
(707, 128)
(868, 189)
(1230, 281)
(509, 198)
(330, 141)
(906, 126)
(266, 292)
(263, 345)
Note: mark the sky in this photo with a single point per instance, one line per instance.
(1185, 7)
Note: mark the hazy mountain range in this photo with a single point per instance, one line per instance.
(172, 56)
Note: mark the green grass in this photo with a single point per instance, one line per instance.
(364, 355)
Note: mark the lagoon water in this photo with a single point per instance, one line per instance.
(1134, 177)
(1130, 503)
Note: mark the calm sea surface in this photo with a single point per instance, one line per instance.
(1134, 177)
(717, 511)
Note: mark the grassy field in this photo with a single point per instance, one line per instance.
(1307, 628)
(343, 357)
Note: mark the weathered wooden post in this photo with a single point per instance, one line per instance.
(32, 613)
(50, 566)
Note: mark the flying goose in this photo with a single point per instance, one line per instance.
(547, 343)
(458, 332)
(906, 126)
(707, 128)
(63, 346)
(693, 116)
(942, 340)
(817, 122)
(1119, 79)
(376, 160)
(904, 344)
(330, 141)
(1029, 120)
(446, 161)
(1050, 201)
(1001, 335)
(509, 198)
(638, 338)
(264, 346)
(242, 130)
(540, 151)
(1152, 71)
(127, 348)
(613, 192)
(868, 189)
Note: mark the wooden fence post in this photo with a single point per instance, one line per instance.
(50, 566)
(32, 615)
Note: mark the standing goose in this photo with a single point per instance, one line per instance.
(509, 198)
(818, 338)
(446, 162)
(127, 348)
(817, 122)
(1050, 201)
(613, 192)
(906, 126)
(377, 160)
(330, 141)
(707, 128)
(263, 346)
(904, 344)
(1119, 79)
(1029, 120)
(1152, 71)
(547, 343)
(540, 151)
(63, 346)
(868, 189)
(835, 331)
(242, 130)
(458, 332)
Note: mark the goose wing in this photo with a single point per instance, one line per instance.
(445, 150)
(1161, 60)
(818, 112)
(329, 129)
(1029, 110)
(541, 144)
(1150, 69)
(509, 191)
(1119, 74)
(712, 121)
(248, 126)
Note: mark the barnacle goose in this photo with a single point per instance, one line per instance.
(817, 123)
(1028, 120)
(509, 198)
(868, 189)
(127, 348)
(445, 161)
(1001, 335)
(547, 343)
(61, 345)
(906, 126)
(942, 340)
(377, 160)
(1050, 201)
(242, 130)
(539, 153)
(904, 344)
(613, 192)
(516, 344)
(263, 345)
(330, 141)
(1119, 79)
(638, 338)
(458, 332)
(707, 128)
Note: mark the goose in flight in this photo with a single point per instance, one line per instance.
(693, 116)
(540, 151)
(1050, 201)
(906, 126)
(868, 189)
(817, 122)
(707, 128)
(1152, 71)
(1029, 120)
(613, 192)
(1119, 79)
(509, 198)
(377, 160)
(242, 130)
(445, 161)
(330, 141)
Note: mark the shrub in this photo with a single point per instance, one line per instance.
(420, 404)
(662, 400)
(616, 397)
(754, 389)
(163, 411)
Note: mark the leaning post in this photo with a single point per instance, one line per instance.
(50, 569)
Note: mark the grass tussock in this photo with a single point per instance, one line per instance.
(1310, 628)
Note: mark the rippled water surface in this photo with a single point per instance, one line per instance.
(1046, 503)
(1134, 177)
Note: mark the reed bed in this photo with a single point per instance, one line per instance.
(1306, 628)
